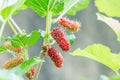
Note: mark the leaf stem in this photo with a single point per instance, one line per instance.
(16, 26)
(43, 53)
(26, 53)
(11, 26)
(2, 28)
(42, 56)
(48, 25)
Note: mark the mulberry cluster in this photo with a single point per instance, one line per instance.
(31, 73)
(59, 36)
(13, 62)
(70, 25)
(55, 56)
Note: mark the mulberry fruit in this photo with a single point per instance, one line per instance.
(55, 56)
(31, 73)
(63, 43)
(57, 33)
(13, 62)
(59, 36)
(70, 25)
(17, 50)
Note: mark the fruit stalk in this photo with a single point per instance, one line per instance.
(2, 28)
(12, 27)
(43, 52)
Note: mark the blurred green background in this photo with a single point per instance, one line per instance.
(92, 31)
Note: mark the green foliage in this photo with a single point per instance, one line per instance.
(7, 3)
(109, 7)
(115, 78)
(25, 66)
(42, 7)
(8, 11)
(78, 5)
(2, 49)
(113, 23)
(101, 54)
(24, 40)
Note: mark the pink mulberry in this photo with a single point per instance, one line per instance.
(70, 25)
(63, 43)
(59, 36)
(57, 33)
(55, 56)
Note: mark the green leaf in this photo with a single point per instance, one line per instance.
(71, 38)
(109, 7)
(8, 75)
(101, 54)
(115, 78)
(33, 38)
(42, 7)
(6, 3)
(8, 11)
(72, 6)
(76, 5)
(113, 23)
(25, 66)
(2, 49)
(25, 40)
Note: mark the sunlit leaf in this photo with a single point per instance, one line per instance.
(8, 11)
(115, 78)
(76, 5)
(101, 54)
(24, 40)
(113, 23)
(42, 7)
(109, 7)
(7, 3)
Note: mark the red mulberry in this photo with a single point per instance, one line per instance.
(55, 56)
(59, 36)
(17, 50)
(57, 33)
(70, 25)
(13, 62)
(31, 73)
(63, 43)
